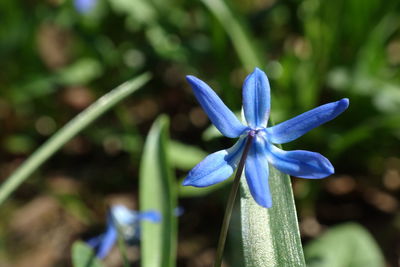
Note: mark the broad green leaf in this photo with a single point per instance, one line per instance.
(83, 256)
(157, 192)
(271, 236)
(345, 245)
(184, 156)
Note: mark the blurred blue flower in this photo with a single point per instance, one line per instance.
(220, 165)
(127, 222)
(84, 6)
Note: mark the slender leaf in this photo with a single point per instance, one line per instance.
(345, 245)
(66, 133)
(157, 192)
(243, 44)
(271, 236)
(83, 256)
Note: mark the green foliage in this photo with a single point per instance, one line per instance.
(81, 72)
(313, 51)
(66, 133)
(240, 39)
(344, 245)
(83, 256)
(157, 192)
(184, 156)
(271, 237)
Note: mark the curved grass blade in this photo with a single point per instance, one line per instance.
(243, 45)
(271, 236)
(67, 132)
(157, 188)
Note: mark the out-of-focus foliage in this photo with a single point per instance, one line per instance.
(83, 256)
(344, 245)
(55, 61)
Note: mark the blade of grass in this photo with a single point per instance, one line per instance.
(271, 236)
(157, 188)
(67, 132)
(236, 31)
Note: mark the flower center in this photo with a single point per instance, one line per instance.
(257, 133)
(253, 133)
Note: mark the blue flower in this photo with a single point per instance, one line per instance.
(220, 165)
(127, 222)
(84, 6)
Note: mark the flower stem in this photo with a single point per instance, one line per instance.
(231, 203)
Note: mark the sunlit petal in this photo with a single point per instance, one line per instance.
(292, 129)
(220, 115)
(256, 99)
(108, 240)
(256, 172)
(300, 163)
(216, 167)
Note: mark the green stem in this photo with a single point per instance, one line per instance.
(231, 203)
(120, 241)
(67, 132)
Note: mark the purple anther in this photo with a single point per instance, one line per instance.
(252, 133)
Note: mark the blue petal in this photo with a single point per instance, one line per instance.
(94, 242)
(84, 6)
(219, 114)
(151, 215)
(123, 216)
(179, 211)
(216, 167)
(300, 163)
(296, 127)
(108, 240)
(256, 171)
(256, 99)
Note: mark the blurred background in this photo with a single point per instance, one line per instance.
(58, 56)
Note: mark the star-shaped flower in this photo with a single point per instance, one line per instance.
(125, 220)
(220, 165)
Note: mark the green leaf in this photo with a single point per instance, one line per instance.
(157, 192)
(243, 44)
(67, 132)
(210, 133)
(81, 72)
(271, 236)
(345, 245)
(184, 156)
(83, 256)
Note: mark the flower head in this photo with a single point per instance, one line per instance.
(220, 165)
(124, 220)
(84, 6)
